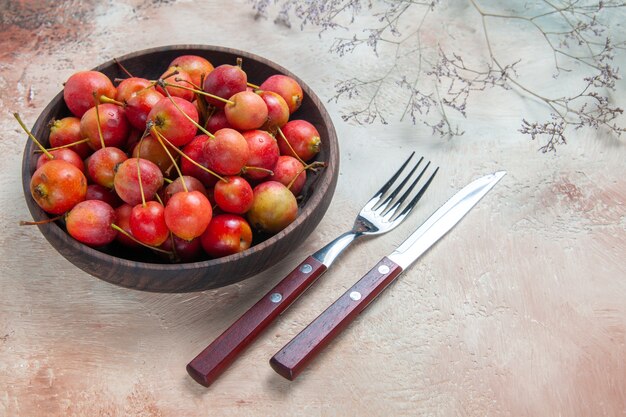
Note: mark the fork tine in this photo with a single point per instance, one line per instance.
(398, 188)
(395, 176)
(419, 195)
(389, 213)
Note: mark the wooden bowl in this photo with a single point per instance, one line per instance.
(149, 273)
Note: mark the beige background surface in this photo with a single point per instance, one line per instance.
(520, 311)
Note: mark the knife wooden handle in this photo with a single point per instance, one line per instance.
(214, 360)
(291, 360)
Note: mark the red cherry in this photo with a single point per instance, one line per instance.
(63, 154)
(227, 234)
(131, 86)
(122, 214)
(126, 181)
(113, 124)
(224, 81)
(303, 138)
(233, 195)
(287, 168)
(184, 250)
(264, 153)
(246, 111)
(187, 214)
(196, 66)
(102, 165)
(79, 88)
(181, 79)
(172, 123)
(147, 223)
(195, 151)
(227, 152)
(287, 87)
(65, 131)
(90, 222)
(98, 192)
(57, 186)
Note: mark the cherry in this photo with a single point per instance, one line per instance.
(264, 153)
(131, 86)
(227, 234)
(102, 164)
(299, 139)
(183, 250)
(90, 222)
(137, 180)
(99, 192)
(63, 154)
(227, 152)
(78, 91)
(170, 122)
(113, 125)
(66, 131)
(139, 105)
(246, 111)
(151, 149)
(224, 81)
(217, 121)
(277, 110)
(290, 172)
(196, 66)
(287, 87)
(188, 213)
(182, 78)
(233, 195)
(274, 207)
(122, 214)
(195, 151)
(177, 186)
(57, 186)
(147, 223)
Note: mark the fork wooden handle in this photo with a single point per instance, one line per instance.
(291, 360)
(214, 360)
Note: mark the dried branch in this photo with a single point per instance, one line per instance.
(440, 81)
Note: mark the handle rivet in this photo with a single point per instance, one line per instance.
(383, 269)
(355, 295)
(306, 268)
(276, 297)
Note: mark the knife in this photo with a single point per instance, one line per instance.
(291, 360)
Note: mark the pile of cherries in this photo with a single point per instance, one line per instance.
(190, 165)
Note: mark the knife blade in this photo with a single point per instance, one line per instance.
(291, 360)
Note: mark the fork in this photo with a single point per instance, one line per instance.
(382, 213)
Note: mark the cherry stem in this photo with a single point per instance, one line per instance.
(30, 135)
(180, 80)
(97, 100)
(134, 239)
(197, 91)
(312, 166)
(145, 133)
(167, 151)
(123, 68)
(105, 99)
(239, 61)
(45, 221)
(282, 135)
(67, 145)
(256, 87)
(248, 168)
(187, 157)
(206, 132)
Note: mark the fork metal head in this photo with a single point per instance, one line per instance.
(393, 203)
